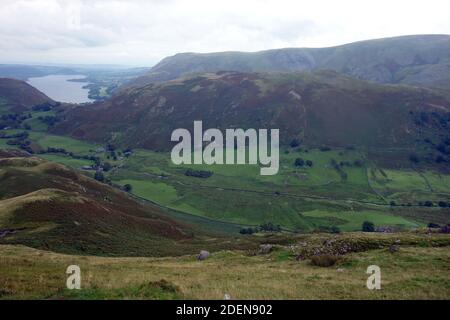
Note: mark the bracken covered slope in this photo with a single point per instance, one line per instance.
(46, 205)
(321, 109)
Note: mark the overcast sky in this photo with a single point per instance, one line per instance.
(142, 32)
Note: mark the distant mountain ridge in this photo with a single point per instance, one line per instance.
(422, 60)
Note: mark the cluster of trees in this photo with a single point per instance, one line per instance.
(335, 229)
(19, 135)
(95, 159)
(265, 227)
(248, 231)
(13, 120)
(299, 162)
(19, 139)
(48, 120)
(444, 151)
(16, 120)
(339, 169)
(198, 173)
(98, 164)
(442, 229)
(46, 106)
(414, 158)
(427, 203)
(127, 187)
(368, 226)
(295, 143)
(99, 176)
(430, 118)
(112, 152)
(444, 204)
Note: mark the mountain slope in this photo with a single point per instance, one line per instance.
(19, 96)
(420, 60)
(46, 205)
(321, 109)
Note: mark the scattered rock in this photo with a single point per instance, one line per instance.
(393, 248)
(299, 257)
(445, 229)
(7, 232)
(324, 260)
(265, 248)
(385, 229)
(203, 255)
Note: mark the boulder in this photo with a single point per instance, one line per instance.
(265, 248)
(445, 229)
(203, 255)
(393, 248)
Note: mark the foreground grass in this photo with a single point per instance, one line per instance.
(411, 273)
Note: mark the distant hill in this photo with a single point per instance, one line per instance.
(18, 96)
(422, 60)
(321, 109)
(23, 72)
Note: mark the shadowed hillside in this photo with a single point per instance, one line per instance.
(320, 109)
(19, 96)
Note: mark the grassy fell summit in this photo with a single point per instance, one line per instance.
(321, 108)
(422, 60)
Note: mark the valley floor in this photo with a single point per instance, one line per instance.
(414, 272)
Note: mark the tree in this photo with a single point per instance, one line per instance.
(428, 203)
(294, 143)
(414, 158)
(442, 204)
(335, 229)
(106, 166)
(368, 226)
(358, 163)
(99, 176)
(433, 225)
(247, 231)
(270, 227)
(127, 187)
(309, 163)
(299, 162)
(440, 159)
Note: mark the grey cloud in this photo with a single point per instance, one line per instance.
(143, 32)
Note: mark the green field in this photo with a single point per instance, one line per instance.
(66, 160)
(341, 188)
(355, 219)
(300, 199)
(158, 192)
(35, 123)
(73, 145)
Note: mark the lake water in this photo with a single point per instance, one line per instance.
(60, 89)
